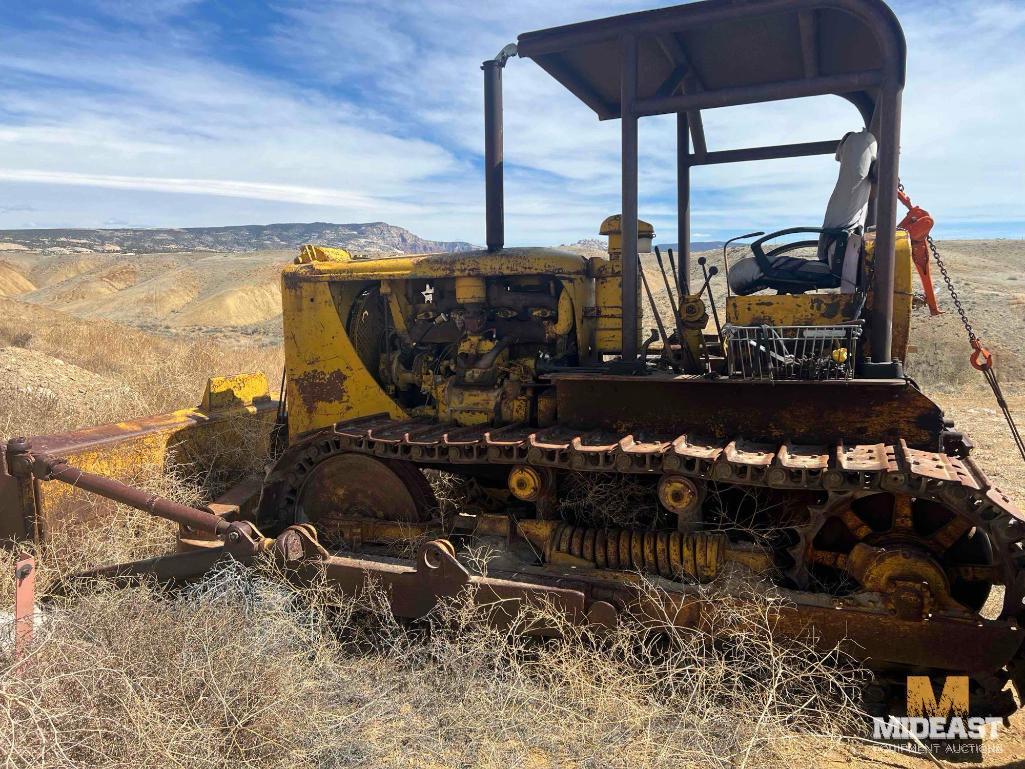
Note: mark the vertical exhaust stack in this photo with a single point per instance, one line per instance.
(494, 155)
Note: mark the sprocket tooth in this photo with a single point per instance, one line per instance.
(798, 572)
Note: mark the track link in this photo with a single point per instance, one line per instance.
(896, 468)
(842, 469)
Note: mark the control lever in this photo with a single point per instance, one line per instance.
(658, 319)
(647, 343)
(672, 263)
(665, 279)
(709, 274)
(677, 318)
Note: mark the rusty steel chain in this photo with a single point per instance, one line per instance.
(981, 358)
(952, 291)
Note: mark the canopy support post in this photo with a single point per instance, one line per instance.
(683, 163)
(494, 152)
(886, 221)
(628, 217)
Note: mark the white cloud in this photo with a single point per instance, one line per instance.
(129, 116)
(362, 110)
(220, 187)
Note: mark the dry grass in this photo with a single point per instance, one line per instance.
(123, 534)
(453, 493)
(243, 670)
(148, 374)
(599, 499)
(140, 374)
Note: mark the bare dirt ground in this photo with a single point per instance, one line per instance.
(240, 672)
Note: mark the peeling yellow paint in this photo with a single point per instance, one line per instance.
(326, 381)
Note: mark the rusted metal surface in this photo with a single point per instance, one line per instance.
(415, 590)
(629, 201)
(237, 503)
(331, 487)
(241, 538)
(880, 639)
(695, 418)
(905, 550)
(915, 604)
(803, 412)
(19, 499)
(42, 467)
(913, 575)
(766, 30)
(24, 603)
(32, 509)
(695, 555)
(494, 153)
(861, 469)
(174, 569)
(508, 261)
(737, 460)
(874, 635)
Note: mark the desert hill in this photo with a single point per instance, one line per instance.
(235, 295)
(12, 281)
(370, 237)
(220, 282)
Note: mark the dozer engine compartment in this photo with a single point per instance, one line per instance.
(467, 349)
(455, 338)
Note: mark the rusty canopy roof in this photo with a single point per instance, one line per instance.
(723, 52)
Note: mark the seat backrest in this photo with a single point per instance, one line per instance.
(848, 205)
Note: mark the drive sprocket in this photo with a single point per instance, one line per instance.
(315, 482)
(918, 553)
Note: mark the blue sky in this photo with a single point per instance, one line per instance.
(210, 112)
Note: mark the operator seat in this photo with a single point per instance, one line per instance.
(838, 247)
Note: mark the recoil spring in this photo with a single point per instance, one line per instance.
(691, 556)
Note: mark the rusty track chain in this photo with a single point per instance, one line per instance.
(896, 469)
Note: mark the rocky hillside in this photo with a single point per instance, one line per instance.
(360, 238)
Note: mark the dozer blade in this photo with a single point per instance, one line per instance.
(232, 424)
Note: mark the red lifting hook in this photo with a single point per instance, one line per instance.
(982, 359)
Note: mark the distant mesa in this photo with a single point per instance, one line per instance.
(695, 245)
(587, 247)
(373, 237)
(599, 247)
(366, 238)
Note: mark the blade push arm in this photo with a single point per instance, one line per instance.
(241, 538)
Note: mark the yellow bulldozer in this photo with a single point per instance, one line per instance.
(781, 437)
